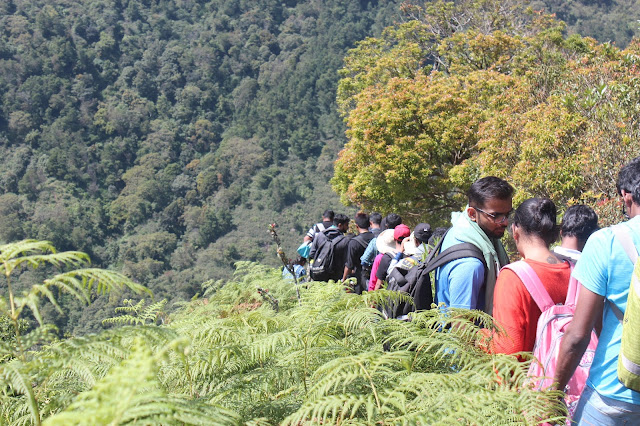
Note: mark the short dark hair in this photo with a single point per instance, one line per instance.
(437, 236)
(579, 221)
(340, 219)
(537, 216)
(393, 220)
(328, 214)
(362, 220)
(629, 179)
(375, 218)
(488, 188)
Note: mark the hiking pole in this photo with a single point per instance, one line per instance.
(269, 298)
(284, 259)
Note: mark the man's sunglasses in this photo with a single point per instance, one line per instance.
(497, 218)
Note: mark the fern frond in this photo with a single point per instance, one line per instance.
(330, 409)
(15, 375)
(35, 253)
(365, 368)
(80, 282)
(130, 393)
(141, 314)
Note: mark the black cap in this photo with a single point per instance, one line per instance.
(422, 232)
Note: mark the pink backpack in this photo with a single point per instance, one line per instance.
(551, 327)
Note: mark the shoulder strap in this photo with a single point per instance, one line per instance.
(623, 235)
(364, 244)
(532, 283)
(573, 289)
(337, 239)
(457, 251)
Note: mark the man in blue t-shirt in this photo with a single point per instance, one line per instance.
(604, 270)
(462, 283)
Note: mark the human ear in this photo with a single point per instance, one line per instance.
(515, 231)
(472, 213)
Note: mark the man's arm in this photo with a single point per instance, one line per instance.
(314, 246)
(578, 334)
(311, 233)
(346, 273)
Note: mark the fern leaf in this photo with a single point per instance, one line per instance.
(80, 281)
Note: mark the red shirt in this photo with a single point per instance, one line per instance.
(515, 310)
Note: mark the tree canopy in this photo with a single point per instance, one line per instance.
(484, 88)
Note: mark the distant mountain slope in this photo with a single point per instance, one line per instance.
(613, 21)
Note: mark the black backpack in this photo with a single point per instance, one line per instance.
(325, 264)
(416, 281)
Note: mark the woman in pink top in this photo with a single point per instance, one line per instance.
(373, 280)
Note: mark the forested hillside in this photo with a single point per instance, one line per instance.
(161, 137)
(614, 21)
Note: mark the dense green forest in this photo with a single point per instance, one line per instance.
(161, 137)
(614, 21)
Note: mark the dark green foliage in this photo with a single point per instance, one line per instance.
(124, 121)
(614, 21)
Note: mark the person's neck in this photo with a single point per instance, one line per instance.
(634, 210)
(362, 230)
(537, 251)
(571, 243)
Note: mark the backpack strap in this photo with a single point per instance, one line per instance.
(573, 290)
(456, 251)
(623, 235)
(337, 239)
(435, 259)
(532, 283)
(364, 244)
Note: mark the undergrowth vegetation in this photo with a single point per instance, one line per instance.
(242, 356)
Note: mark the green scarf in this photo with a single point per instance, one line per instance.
(468, 231)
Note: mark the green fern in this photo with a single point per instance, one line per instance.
(137, 313)
(325, 358)
(131, 394)
(24, 378)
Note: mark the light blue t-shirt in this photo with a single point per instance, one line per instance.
(370, 253)
(460, 283)
(298, 269)
(605, 269)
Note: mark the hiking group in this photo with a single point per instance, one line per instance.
(575, 306)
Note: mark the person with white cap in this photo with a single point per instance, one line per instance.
(416, 246)
(391, 249)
